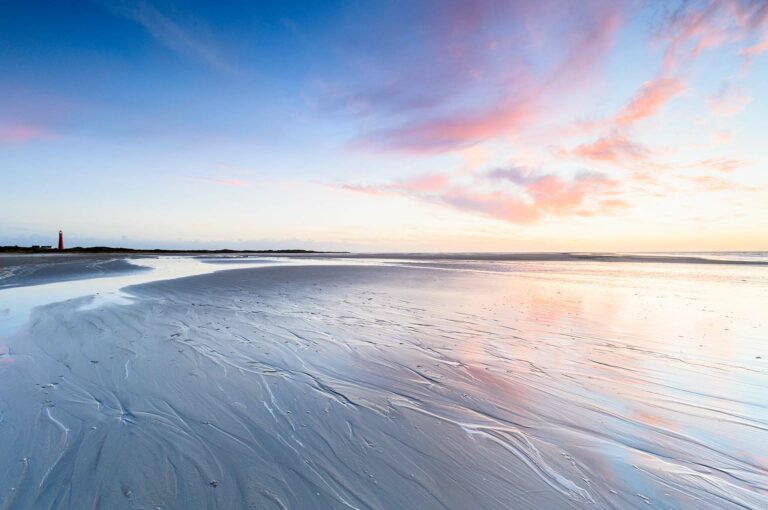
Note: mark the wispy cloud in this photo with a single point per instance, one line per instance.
(698, 25)
(729, 101)
(189, 38)
(687, 30)
(756, 49)
(484, 69)
(238, 183)
(420, 184)
(723, 165)
(16, 133)
(712, 183)
(648, 100)
(614, 148)
(521, 195)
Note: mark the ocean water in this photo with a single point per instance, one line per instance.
(390, 382)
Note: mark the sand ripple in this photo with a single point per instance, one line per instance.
(395, 387)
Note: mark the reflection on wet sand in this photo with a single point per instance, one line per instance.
(489, 385)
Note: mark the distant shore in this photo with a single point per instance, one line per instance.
(756, 258)
(108, 249)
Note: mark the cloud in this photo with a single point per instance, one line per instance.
(613, 148)
(368, 190)
(616, 147)
(647, 174)
(424, 184)
(452, 132)
(524, 96)
(710, 183)
(20, 133)
(460, 90)
(695, 26)
(515, 174)
(648, 100)
(238, 183)
(729, 101)
(755, 50)
(722, 137)
(472, 71)
(723, 165)
(185, 40)
(539, 196)
(526, 195)
(613, 204)
(420, 184)
(687, 31)
(498, 205)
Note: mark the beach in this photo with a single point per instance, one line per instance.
(384, 382)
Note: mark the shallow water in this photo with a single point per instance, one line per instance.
(395, 384)
(16, 303)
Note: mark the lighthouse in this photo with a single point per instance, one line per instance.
(61, 240)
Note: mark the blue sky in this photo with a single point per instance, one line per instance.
(488, 125)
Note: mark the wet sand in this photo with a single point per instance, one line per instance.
(466, 384)
(25, 270)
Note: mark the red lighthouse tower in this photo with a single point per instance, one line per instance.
(61, 240)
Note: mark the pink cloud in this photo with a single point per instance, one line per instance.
(424, 183)
(728, 102)
(554, 194)
(484, 70)
(722, 137)
(238, 183)
(499, 205)
(652, 174)
(456, 131)
(420, 184)
(644, 177)
(540, 196)
(613, 204)
(368, 190)
(528, 195)
(21, 133)
(713, 183)
(687, 31)
(710, 183)
(236, 169)
(697, 26)
(721, 165)
(614, 148)
(756, 49)
(648, 100)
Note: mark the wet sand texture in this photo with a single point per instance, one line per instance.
(24, 270)
(394, 387)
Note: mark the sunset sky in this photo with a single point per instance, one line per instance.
(489, 125)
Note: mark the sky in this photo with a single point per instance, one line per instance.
(402, 125)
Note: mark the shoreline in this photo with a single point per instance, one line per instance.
(31, 270)
(725, 257)
(21, 269)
